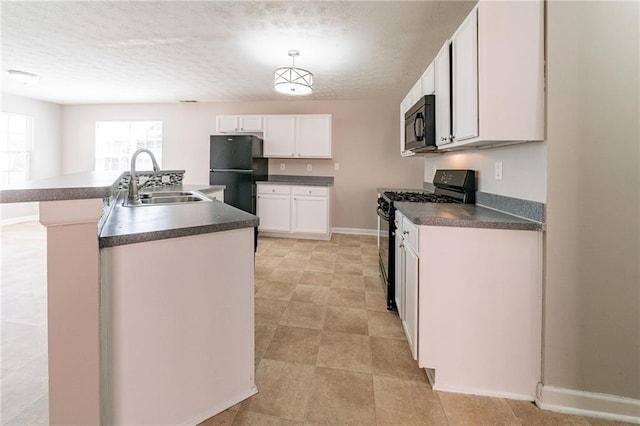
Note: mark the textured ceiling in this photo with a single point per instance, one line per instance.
(208, 51)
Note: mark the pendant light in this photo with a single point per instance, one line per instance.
(293, 81)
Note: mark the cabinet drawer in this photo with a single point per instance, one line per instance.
(410, 233)
(274, 189)
(321, 191)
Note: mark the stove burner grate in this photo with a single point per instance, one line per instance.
(420, 197)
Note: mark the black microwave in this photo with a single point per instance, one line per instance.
(420, 125)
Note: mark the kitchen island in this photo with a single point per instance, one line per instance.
(140, 301)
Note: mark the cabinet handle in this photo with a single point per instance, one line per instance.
(405, 232)
(401, 245)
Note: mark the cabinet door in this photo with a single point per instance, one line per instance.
(226, 123)
(416, 92)
(410, 318)
(313, 136)
(443, 96)
(310, 214)
(465, 79)
(274, 212)
(399, 275)
(428, 80)
(250, 123)
(279, 135)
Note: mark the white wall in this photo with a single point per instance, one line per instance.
(365, 144)
(524, 169)
(592, 289)
(47, 146)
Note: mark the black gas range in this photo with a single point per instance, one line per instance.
(451, 186)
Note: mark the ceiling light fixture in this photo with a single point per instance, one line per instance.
(291, 80)
(24, 77)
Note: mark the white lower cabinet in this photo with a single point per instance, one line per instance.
(410, 320)
(480, 309)
(310, 214)
(399, 267)
(407, 279)
(294, 211)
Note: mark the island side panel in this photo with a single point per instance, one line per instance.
(73, 310)
(480, 304)
(178, 328)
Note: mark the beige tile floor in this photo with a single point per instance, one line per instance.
(327, 351)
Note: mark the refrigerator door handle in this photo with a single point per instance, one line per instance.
(231, 170)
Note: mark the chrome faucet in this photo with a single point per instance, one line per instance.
(134, 198)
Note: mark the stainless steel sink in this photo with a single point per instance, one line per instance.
(167, 197)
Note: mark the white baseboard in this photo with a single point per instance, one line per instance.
(481, 392)
(20, 219)
(355, 231)
(588, 404)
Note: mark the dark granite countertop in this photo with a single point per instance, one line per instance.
(464, 216)
(129, 225)
(74, 186)
(382, 190)
(298, 180)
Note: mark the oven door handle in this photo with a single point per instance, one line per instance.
(382, 214)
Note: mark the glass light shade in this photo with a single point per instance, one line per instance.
(293, 81)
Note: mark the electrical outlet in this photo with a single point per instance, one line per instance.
(166, 178)
(309, 167)
(282, 166)
(336, 166)
(498, 170)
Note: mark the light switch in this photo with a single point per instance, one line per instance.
(336, 166)
(282, 166)
(498, 170)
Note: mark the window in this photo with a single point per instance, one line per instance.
(116, 141)
(16, 145)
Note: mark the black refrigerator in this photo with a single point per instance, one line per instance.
(237, 162)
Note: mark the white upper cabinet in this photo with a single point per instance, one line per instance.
(443, 96)
(498, 75)
(238, 123)
(489, 78)
(299, 136)
(313, 136)
(279, 135)
(464, 62)
(427, 81)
